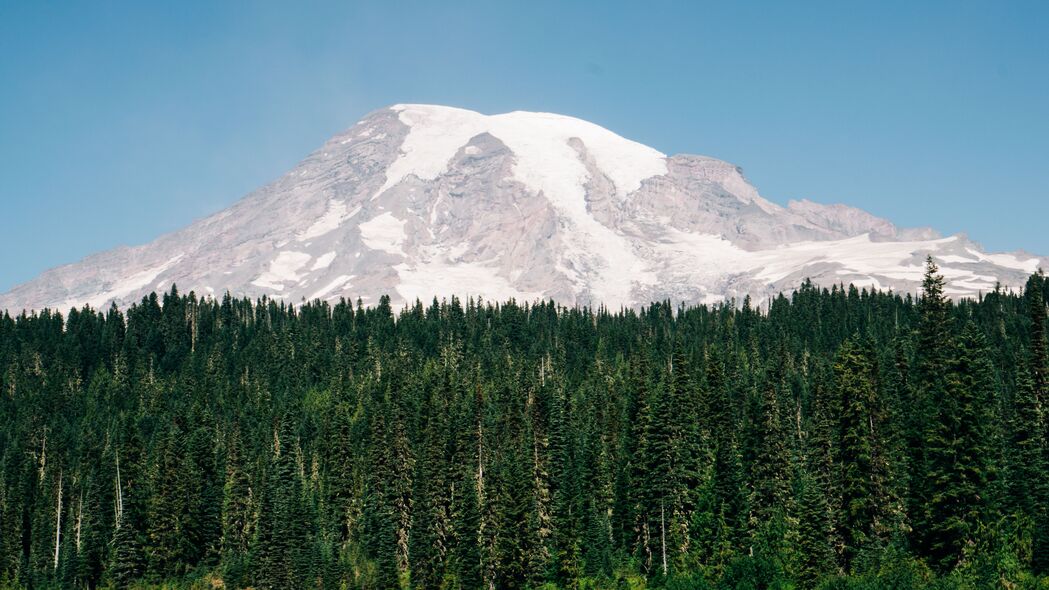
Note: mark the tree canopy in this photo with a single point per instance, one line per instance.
(835, 438)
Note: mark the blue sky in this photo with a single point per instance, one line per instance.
(121, 121)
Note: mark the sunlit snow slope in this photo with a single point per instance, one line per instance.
(419, 201)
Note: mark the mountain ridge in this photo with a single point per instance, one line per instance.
(418, 201)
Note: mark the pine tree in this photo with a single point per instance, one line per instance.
(465, 559)
(130, 495)
(508, 499)
(90, 539)
(655, 486)
(539, 527)
(477, 445)
(959, 452)
(815, 547)
(771, 475)
(203, 482)
(690, 452)
(466, 552)
(429, 539)
(1036, 308)
(854, 381)
(174, 513)
(730, 499)
(772, 526)
(237, 512)
(933, 344)
(129, 559)
(282, 552)
(1027, 493)
(1038, 363)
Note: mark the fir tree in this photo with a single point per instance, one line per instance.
(959, 452)
(1038, 363)
(1027, 492)
(282, 552)
(429, 539)
(856, 392)
(129, 559)
(933, 344)
(471, 445)
(237, 512)
(655, 486)
(815, 548)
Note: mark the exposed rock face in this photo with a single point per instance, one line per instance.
(419, 201)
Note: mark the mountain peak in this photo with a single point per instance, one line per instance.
(546, 159)
(417, 201)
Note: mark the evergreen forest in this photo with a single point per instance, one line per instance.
(833, 438)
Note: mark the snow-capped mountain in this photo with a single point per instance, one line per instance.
(418, 201)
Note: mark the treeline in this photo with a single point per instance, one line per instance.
(833, 439)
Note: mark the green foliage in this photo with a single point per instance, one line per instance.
(960, 453)
(835, 439)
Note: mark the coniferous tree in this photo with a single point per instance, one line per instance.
(1039, 374)
(472, 445)
(429, 538)
(772, 526)
(465, 559)
(540, 518)
(1027, 492)
(1034, 294)
(281, 556)
(655, 488)
(856, 392)
(168, 512)
(933, 343)
(815, 547)
(960, 452)
(129, 560)
(237, 512)
(730, 499)
(129, 555)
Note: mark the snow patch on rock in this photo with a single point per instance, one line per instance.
(424, 281)
(334, 216)
(384, 232)
(1029, 265)
(282, 269)
(339, 282)
(323, 261)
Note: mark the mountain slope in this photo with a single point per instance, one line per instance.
(417, 201)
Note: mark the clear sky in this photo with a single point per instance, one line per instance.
(121, 121)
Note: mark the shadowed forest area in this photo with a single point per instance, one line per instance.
(836, 439)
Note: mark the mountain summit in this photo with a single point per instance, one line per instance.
(417, 201)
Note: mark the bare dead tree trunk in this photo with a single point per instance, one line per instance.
(193, 328)
(79, 519)
(120, 494)
(58, 520)
(663, 535)
(43, 456)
